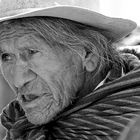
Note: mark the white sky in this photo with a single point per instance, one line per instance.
(121, 8)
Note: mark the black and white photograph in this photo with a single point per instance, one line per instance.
(69, 70)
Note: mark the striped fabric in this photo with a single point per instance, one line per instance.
(105, 114)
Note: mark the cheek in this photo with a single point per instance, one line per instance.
(64, 87)
(8, 76)
(7, 73)
(62, 81)
(48, 71)
(45, 65)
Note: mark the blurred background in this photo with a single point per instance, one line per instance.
(128, 9)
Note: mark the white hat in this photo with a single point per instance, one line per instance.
(114, 28)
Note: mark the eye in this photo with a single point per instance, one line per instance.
(6, 57)
(32, 52)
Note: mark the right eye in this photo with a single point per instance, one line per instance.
(6, 57)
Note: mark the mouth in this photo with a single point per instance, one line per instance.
(30, 101)
(29, 98)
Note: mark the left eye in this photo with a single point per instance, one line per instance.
(6, 57)
(31, 52)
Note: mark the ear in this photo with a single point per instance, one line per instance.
(90, 62)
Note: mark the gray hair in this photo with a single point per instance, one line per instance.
(70, 34)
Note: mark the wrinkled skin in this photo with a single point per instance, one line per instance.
(44, 79)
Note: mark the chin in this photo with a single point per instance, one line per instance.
(44, 110)
(39, 116)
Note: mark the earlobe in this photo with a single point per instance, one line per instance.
(90, 62)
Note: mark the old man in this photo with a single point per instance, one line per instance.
(71, 82)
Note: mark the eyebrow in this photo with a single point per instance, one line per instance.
(26, 47)
(2, 50)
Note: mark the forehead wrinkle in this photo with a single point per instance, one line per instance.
(29, 41)
(18, 41)
(13, 34)
(13, 31)
(17, 32)
(5, 45)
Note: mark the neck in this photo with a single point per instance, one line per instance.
(91, 83)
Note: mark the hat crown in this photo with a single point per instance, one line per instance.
(10, 7)
(7, 5)
(13, 7)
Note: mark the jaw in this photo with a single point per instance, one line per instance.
(42, 113)
(39, 117)
(44, 110)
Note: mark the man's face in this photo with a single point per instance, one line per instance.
(44, 79)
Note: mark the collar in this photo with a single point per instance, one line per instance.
(111, 75)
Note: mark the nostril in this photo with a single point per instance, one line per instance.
(23, 98)
(22, 88)
(22, 79)
(25, 85)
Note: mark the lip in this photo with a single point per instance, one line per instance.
(30, 99)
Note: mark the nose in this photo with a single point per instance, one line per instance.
(22, 74)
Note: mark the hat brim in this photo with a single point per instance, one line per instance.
(114, 28)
